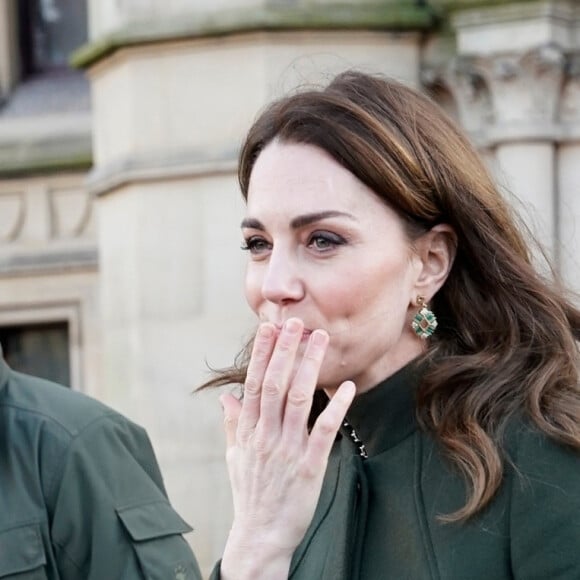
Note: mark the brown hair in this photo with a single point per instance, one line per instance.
(506, 341)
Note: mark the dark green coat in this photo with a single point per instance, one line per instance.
(81, 495)
(377, 517)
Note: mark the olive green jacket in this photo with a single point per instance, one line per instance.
(81, 495)
(377, 518)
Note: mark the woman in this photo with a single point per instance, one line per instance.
(386, 270)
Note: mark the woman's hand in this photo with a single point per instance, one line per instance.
(276, 467)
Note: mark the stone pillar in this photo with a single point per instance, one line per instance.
(165, 129)
(526, 94)
(173, 94)
(519, 52)
(568, 175)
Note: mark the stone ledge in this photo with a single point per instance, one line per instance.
(396, 15)
(33, 156)
(156, 167)
(458, 5)
(48, 262)
(514, 10)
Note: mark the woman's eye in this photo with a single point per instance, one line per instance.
(256, 245)
(325, 241)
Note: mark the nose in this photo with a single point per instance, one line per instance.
(282, 281)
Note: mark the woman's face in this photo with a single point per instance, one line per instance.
(323, 248)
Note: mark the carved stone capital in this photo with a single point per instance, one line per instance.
(510, 90)
(526, 88)
(461, 79)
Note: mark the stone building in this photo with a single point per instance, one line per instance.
(120, 271)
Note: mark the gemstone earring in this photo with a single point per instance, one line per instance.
(424, 322)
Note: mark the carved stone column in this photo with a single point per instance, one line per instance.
(568, 174)
(515, 56)
(525, 92)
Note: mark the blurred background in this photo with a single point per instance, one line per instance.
(120, 122)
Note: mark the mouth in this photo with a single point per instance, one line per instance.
(305, 334)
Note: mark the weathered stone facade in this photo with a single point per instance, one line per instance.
(122, 217)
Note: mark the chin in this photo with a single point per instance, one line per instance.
(329, 381)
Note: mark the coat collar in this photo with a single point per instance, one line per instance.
(386, 414)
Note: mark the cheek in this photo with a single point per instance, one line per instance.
(252, 288)
(380, 294)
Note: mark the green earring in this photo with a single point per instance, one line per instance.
(424, 322)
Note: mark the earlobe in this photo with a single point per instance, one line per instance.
(436, 250)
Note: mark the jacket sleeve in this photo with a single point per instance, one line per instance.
(545, 510)
(111, 516)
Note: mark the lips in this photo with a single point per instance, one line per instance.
(305, 334)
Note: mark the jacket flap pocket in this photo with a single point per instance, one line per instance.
(152, 520)
(21, 550)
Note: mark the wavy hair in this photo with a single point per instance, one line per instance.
(507, 341)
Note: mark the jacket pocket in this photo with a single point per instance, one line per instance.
(156, 532)
(22, 553)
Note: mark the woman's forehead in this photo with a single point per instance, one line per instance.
(305, 178)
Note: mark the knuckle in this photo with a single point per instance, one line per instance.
(298, 398)
(326, 426)
(244, 433)
(287, 455)
(272, 388)
(284, 344)
(251, 386)
(262, 446)
(308, 471)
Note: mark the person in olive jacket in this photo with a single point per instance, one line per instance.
(411, 398)
(81, 494)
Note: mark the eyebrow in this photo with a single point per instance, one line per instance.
(299, 221)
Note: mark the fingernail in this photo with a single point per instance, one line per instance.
(292, 325)
(348, 390)
(319, 337)
(266, 330)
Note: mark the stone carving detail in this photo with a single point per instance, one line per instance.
(512, 89)
(70, 212)
(461, 79)
(43, 214)
(525, 88)
(12, 213)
